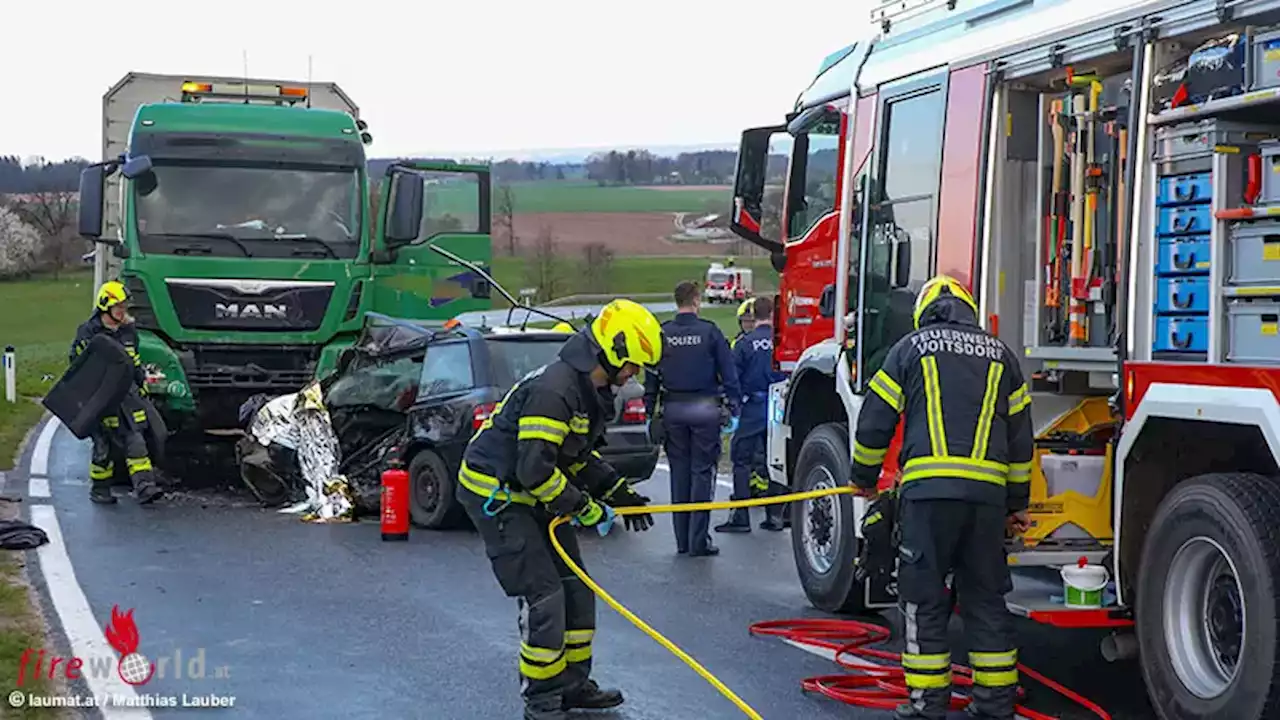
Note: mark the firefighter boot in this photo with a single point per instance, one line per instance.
(145, 488)
(100, 492)
(920, 711)
(545, 707)
(773, 515)
(590, 696)
(739, 522)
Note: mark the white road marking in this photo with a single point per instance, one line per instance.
(38, 487)
(83, 631)
(720, 479)
(40, 455)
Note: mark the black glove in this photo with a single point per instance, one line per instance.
(623, 495)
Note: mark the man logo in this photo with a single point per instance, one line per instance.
(250, 311)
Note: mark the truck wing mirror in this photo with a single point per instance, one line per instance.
(902, 263)
(405, 217)
(91, 181)
(136, 167)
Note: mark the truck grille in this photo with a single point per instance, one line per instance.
(285, 368)
(249, 305)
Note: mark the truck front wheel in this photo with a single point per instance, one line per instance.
(1207, 599)
(822, 529)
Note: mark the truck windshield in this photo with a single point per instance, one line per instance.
(717, 278)
(249, 211)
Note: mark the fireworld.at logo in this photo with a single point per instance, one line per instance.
(132, 667)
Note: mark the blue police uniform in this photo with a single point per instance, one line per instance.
(697, 371)
(753, 359)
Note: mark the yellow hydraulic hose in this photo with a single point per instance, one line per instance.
(690, 507)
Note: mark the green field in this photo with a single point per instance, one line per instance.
(573, 196)
(570, 196)
(632, 275)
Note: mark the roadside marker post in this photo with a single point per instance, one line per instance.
(10, 375)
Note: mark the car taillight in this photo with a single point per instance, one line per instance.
(633, 411)
(482, 413)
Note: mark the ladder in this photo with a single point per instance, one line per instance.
(886, 13)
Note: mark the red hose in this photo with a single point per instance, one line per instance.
(878, 685)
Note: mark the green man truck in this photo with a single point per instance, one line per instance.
(239, 218)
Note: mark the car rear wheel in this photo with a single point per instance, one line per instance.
(431, 501)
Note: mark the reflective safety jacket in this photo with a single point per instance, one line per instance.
(967, 411)
(538, 446)
(126, 335)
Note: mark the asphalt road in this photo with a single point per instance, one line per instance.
(300, 620)
(570, 312)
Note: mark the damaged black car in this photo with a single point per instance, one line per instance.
(422, 391)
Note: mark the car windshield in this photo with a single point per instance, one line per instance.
(521, 357)
(249, 211)
(386, 386)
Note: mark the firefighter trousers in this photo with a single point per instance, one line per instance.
(121, 435)
(557, 611)
(966, 540)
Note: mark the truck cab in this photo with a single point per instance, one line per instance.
(251, 249)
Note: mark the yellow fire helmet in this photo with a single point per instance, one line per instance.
(939, 287)
(111, 293)
(627, 332)
(563, 327)
(747, 306)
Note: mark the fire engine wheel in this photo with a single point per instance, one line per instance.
(1207, 599)
(431, 501)
(822, 529)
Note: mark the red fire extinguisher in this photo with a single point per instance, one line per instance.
(395, 499)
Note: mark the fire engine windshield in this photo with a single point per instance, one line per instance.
(717, 278)
(203, 209)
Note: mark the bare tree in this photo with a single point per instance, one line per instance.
(543, 269)
(597, 267)
(504, 218)
(52, 214)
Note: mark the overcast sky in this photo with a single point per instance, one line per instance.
(457, 76)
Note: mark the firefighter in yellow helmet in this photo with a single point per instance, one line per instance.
(119, 433)
(746, 320)
(563, 327)
(966, 467)
(534, 459)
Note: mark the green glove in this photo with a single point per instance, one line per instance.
(591, 514)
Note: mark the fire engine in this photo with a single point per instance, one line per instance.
(728, 284)
(1105, 177)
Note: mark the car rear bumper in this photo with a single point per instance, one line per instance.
(629, 451)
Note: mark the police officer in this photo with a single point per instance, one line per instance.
(532, 460)
(966, 461)
(753, 358)
(746, 321)
(121, 431)
(700, 396)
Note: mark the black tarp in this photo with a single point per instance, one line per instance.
(95, 385)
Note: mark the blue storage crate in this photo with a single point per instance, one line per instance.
(1181, 334)
(1185, 189)
(1182, 295)
(1185, 220)
(1183, 255)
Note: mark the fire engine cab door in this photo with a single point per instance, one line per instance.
(411, 280)
(749, 186)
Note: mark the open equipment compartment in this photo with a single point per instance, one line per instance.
(1211, 249)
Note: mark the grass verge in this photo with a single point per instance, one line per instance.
(43, 318)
